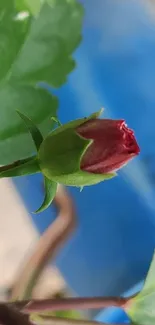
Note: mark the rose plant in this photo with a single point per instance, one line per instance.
(79, 153)
(38, 38)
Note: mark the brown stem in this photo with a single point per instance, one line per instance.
(36, 306)
(50, 242)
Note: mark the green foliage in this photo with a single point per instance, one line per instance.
(35, 49)
(141, 309)
(34, 131)
(32, 6)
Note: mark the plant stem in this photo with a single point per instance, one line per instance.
(49, 243)
(22, 167)
(36, 306)
(15, 164)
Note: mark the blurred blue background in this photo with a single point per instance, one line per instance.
(114, 242)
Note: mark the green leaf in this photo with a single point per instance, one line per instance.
(15, 141)
(33, 50)
(141, 309)
(50, 191)
(34, 131)
(32, 6)
(52, 37)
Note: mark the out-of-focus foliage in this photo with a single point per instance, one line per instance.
(35, 46)
(28, 5)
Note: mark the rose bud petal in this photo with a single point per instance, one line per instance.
(113, 145)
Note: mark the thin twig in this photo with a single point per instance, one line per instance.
(53, 238)
(36, 306)
(15, 164)
(49, 244)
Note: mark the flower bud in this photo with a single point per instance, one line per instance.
(112, 147)
(86, 151)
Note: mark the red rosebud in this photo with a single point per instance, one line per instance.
(113, 145)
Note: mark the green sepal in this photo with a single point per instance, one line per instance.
(81, 179)
(76, 123)
(32, 128)
(61, 152)
(50, 192)
(56, 120)
(96, 114)
(22, 167)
